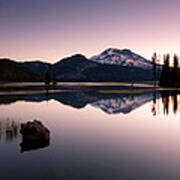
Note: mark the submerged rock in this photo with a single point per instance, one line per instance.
(35, 135)
(33, 145)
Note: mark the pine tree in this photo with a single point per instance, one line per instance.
(54, 79)
(175, 71)
(165, 79)
(154, 61)
(47, 76)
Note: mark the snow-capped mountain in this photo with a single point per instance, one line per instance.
(123, 57)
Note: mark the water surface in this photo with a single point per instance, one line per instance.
(93, 136)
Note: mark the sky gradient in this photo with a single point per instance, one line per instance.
(53, 29)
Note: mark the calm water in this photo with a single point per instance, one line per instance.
(93, 136)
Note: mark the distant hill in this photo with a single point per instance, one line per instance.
(38, 66)
(79, 68)
(112, 65)
(17, 72)
(72, 68)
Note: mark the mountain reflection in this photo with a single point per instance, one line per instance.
(110, 103)
(123, 104)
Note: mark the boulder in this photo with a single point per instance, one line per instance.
(34, 136)
(34, 131)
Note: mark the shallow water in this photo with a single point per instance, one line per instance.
(93, 136)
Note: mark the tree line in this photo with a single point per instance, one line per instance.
(50, 77)
(169, 76)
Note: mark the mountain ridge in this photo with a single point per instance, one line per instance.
(13, 71)
(78, 68)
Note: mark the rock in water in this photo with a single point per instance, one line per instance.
(35, 135)
(34, 131)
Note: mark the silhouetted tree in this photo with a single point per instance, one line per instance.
(162, 77)
(47, 76)
(165, 79)
(154, 61)
(174, 74)
(54, 79)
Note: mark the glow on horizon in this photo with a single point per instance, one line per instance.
(30, 32)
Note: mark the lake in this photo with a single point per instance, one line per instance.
(93, 135)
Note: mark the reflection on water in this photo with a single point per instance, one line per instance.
(123, 104)
(109, 103)
(169, 97)
(93, 136)
(154, 111)
(9, 129)
(33, 145)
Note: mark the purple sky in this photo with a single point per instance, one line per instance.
(53, 29)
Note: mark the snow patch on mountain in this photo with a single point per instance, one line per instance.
(124, 104)
(123, 57)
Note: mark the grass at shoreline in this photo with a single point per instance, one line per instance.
(133, 91)
(104, 88)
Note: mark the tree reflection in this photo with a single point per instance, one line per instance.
(166, 97)
(154, 104)
(175, 103)
(165, 100)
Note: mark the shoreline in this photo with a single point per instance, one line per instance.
(95, 87)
